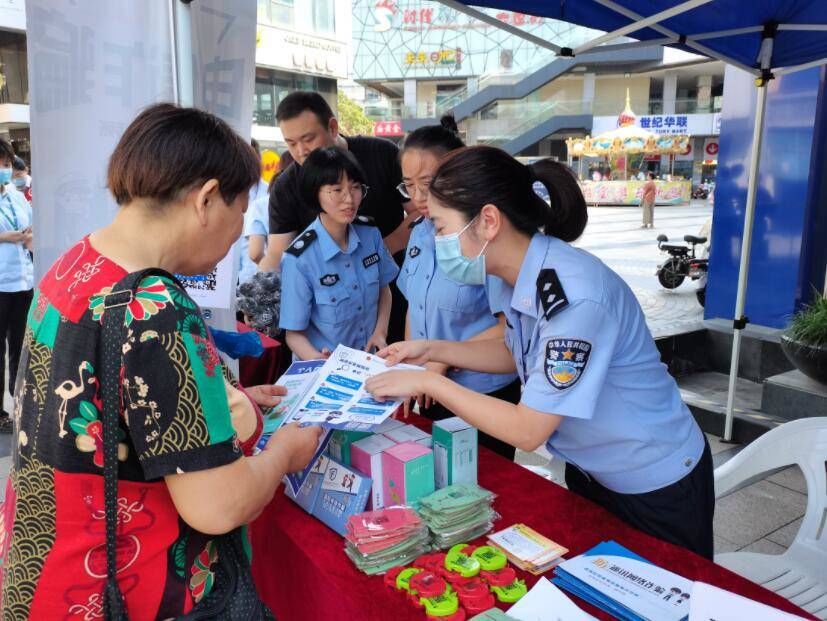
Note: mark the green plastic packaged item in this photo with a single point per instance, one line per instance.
(459, 562)
(495, 614)
(490, 558)
(442, 605)
(511, 593)
(403, 580)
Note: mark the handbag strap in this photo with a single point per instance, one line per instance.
(110, 356)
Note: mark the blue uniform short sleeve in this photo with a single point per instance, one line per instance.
(387, 266)
(575, 349)
(402, 279)
(297, 296)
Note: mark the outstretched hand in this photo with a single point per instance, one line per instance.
(411, 352)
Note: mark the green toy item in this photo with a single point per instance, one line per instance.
(490, 558)
(459, 562)
(403, 580)
(511, 593)
(442, 605)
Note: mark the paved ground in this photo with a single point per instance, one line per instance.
(614, 235)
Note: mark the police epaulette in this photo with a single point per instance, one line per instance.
(550, 291)
(302, 243)
(366, 220)
(419, 220)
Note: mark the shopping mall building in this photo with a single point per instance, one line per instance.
(419, 60)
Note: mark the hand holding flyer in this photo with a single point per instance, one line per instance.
(337, 399)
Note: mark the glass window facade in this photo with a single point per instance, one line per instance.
(14, 81)
(272, 86)
(276, 12)
(324, 17)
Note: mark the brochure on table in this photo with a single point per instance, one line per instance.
(337, 398)
(545, 602)
(626, 585)
(710, 603)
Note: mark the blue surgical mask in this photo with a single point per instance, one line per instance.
(19, 182)
(457, 266)
(5, 175)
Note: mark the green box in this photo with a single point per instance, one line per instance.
(339, 446)
(455, 452)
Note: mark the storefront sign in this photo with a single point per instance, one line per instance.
(387, 128)
(283, 49)
(437, 57)
(692, 124)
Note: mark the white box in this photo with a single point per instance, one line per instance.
(409, 433)
(389, 424)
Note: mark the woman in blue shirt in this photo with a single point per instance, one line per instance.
(335, 275)
(595, 390)
(16, 273)
(438, 307)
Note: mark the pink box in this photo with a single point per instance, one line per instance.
(366, 456)
(407, 473)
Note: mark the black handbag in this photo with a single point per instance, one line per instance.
(234, 597)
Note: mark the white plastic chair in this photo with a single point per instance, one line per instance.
(800, 574)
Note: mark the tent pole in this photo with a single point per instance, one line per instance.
(746, 246)
(183, 53)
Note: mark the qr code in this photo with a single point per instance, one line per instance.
(200, 283)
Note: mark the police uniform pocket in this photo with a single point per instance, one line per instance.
(332, 304)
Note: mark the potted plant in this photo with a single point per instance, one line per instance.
(805, 341)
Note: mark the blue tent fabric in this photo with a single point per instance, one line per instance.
(791, 47)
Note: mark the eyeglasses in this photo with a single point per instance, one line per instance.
(355, 191)
(406, 189)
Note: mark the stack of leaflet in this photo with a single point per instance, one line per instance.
(528, 549)
(379, 540)
(458, 513)
(625, 585)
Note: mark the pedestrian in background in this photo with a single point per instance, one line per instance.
(648, 202)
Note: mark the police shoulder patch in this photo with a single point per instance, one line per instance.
(414, 252)
(302, 243)
(328, 280)
(550, 291)
(371, 259)
(566, 361)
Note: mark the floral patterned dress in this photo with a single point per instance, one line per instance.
(175, 418)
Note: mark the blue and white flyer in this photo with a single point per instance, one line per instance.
(625, 585)
(337, 398)
(296, 379)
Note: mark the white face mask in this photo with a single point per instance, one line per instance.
(456, 265)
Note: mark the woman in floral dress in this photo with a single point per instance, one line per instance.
(180, 177)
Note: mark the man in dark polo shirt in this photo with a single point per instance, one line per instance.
(307, 123)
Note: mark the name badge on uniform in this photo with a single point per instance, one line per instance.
(566, 361)
(414, 252)
(328, 280)
(370, 260)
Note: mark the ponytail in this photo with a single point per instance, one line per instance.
(566, 216)
(439, 139)
(472, 177)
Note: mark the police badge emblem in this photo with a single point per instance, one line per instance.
(566, 361)
(328, 280)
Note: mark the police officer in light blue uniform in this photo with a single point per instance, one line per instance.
(335, 275)
(439, 307)
(595, 391)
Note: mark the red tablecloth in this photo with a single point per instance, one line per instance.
(303, 574)
(262, 370)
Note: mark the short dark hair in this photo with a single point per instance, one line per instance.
(651, 175)
(168, 149)
(439, 139)
(469, 178)
(326, 167)
(18, 163)
(254, 143)
(304, 101)
(6, 150)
